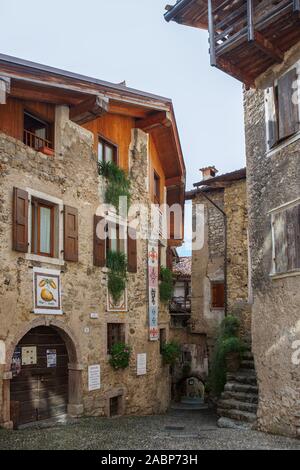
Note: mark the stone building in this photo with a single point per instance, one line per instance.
(262, 50)
(58, 318)
(220, 261)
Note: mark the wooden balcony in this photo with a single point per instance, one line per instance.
(180, 305)
(249, 36)
(38, 143)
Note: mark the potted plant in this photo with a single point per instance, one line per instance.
(171, 353)
(232, 348)
(120, 356)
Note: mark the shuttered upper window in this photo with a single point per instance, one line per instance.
(282, 109)
(286, 239)
(217, 295)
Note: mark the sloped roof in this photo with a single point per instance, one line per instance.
(183, 268)
(225, 178)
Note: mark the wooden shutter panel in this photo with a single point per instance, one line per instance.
(70, 233)
(280, 240)
(271, 117)
(131, 250)
(288, 110)
(218, 295)
(99, 244)
(293, 237)
(20, 220)
(169, 258)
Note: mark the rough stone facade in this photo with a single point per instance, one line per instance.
(273, 180)
(72, 176)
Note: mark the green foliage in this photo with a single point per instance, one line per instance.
(171, 352)
(118, 183)
(227, 342)
(117, 276)
(120, 356)
(166, 287)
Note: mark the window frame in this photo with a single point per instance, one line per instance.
(121, 335)
(156, 185)
(36, 225)
(49, 126)
(108, 143)
(212, 304)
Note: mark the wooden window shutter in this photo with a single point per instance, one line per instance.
(288, 109)
(271, 117)
(169, 258)
(131, 250)
(293, 237)
(20, 220)
(70, 233)
(218, 295)
(99, 244)
(281, 241)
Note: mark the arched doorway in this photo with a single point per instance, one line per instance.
(45, 375)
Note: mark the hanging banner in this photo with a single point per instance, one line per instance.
(153, 289)
(46, 291)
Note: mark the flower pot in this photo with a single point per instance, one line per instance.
(46, 151)
(233, 360)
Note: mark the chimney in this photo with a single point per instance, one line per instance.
(208, 172)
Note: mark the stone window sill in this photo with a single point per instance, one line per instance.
(284, 144)
(284, 275)
(44, 259)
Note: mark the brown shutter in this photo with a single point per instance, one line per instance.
(70, 233)
(169, 258)
(99, 244)
(280, 237)
(131, 250)
(288, 110)
(20, 220)
(218, 295)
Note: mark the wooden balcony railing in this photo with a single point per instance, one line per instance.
(267, 24)
(37, 143)
(180, 305)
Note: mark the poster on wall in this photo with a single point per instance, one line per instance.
(141, 364)
(120, 306)
(29, 356)
(153, 256)
(16, 363)
(51, 358)
(46, 291)
(94, 377)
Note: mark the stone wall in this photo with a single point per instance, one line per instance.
(272, 181)
(71, 175)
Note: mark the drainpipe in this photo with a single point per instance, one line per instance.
(225, 250)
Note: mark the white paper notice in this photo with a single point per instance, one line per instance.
(94, 377)
(142, 364)
(2, 352)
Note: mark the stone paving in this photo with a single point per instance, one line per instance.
(176, 431)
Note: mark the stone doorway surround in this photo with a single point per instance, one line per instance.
(75, 367)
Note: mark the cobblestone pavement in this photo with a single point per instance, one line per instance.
(175, 431)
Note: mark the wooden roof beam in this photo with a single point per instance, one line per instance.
(158, 119)
(235, 72)
(176, 181)
(267, 47)
(88, 110)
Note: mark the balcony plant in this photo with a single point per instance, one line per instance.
(118, 183)
(166, 287)
(171, 353)
(120, 356)
(117, 275)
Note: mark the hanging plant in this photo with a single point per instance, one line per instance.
(166, 287)
(118, 183)
(120, 356)
(171, 353)
(117, 276)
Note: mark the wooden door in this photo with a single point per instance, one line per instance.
(39, 390)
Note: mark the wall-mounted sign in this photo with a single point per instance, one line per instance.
(51, 358)
(141, 364)
(120, 306)
(153, 289)
(2, 352)
(29, 356)
(46, 291)
(94, 377)
(94, 316)
(16, 363)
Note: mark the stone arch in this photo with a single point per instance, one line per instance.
(75, 367)
(178, 385)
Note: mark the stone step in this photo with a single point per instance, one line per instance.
(237, 415)
(247, 364)
(240, 396)
(248, 355)
(231, 404)
(233, 386)
(244, 376)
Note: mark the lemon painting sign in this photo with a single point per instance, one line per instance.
(46, 291)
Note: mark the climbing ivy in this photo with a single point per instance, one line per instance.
(166, 287)
(171, 352)
(118, 183)
(117, 276)
(120, 356)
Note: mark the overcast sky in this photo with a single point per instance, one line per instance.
(118, 40)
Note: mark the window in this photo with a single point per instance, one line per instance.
(107, 151)
(115, 334)
(115, 406)
(38, 134)
(217, 295)
(162, 339)
(156, 187)
(42, 227)
(282, 108)
(286, 239)
(116, 238)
